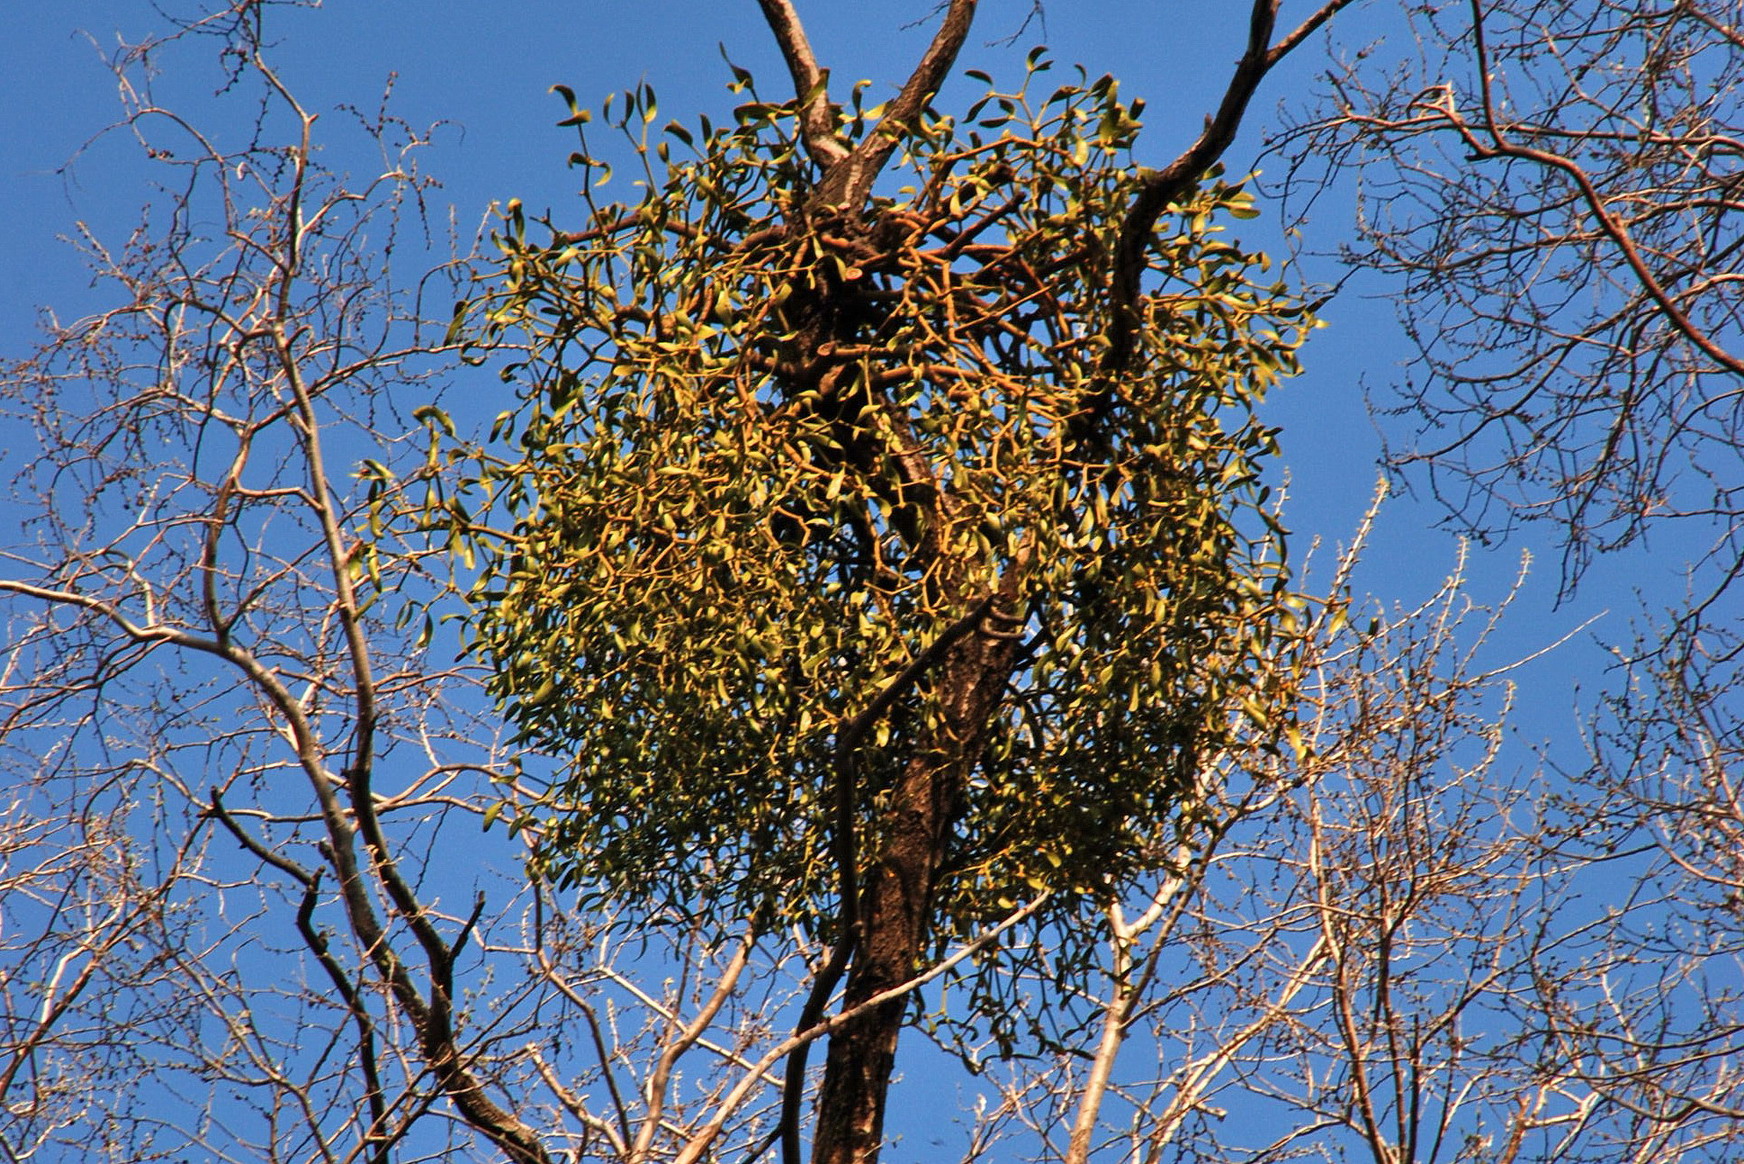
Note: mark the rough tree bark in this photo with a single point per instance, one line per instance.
(888, 922)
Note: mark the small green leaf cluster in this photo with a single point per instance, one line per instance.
(765, 451)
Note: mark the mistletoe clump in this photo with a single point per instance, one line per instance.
(825, 519)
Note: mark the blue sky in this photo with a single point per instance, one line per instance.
(484, 71)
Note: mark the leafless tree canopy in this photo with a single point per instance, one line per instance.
(1552, 189)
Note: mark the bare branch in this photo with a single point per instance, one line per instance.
(810, 84)
(1499, 145)
(1160, 188)
(847, 184)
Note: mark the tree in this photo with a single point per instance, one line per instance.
(200, 658)
(249, 910)
(878, 559)
(1551, 187)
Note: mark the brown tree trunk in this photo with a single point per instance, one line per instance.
(897, 903)
(896, 922)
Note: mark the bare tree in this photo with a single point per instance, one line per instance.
(1553, 186)
(198, 608)
(1647, 1005)
(247, 916)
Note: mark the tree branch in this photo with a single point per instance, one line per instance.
(686, 1038)
(848, 182)
(810, 84)
(1158, 189)
(1499, 146)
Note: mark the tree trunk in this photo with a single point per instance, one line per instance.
(897, 915)
(896, 922)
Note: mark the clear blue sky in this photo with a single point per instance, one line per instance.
(485, 69)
